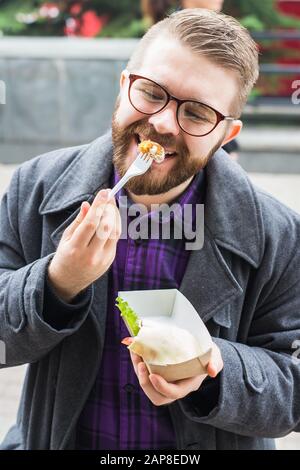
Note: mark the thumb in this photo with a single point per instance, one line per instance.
(215, 364)
(212, 370)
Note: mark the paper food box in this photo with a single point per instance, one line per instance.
(169, 307)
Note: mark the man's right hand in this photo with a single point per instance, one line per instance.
(87, 247)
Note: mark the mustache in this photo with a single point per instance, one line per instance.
(166, 140)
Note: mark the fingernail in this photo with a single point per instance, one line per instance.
(127, 341)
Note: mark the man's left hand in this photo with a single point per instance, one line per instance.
(160, 392)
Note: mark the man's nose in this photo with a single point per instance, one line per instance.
(165, 122)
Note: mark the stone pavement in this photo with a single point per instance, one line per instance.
(284, 187)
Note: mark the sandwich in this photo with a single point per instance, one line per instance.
(158, 343)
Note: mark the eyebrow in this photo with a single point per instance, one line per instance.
(203, 101)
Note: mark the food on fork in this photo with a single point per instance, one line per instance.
(155, 150)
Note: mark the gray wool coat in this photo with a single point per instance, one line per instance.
(244, 283)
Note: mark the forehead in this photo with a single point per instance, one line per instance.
(187, 75)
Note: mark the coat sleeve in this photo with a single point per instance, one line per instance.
(258, 391)
(28, 328)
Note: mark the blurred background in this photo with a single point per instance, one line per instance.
(60, 63)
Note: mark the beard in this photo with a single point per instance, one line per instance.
(153, 182)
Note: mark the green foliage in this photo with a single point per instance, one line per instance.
(259, 14)
(126, 14)
(254, 94)
(252, 23)
(8, 21)
(116, 8)
(124, 27)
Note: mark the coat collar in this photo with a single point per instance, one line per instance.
(232, 212)
(89, 171)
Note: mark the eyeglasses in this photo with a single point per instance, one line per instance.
(195, 118)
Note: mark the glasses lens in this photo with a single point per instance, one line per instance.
(147, 96)
(196, 118)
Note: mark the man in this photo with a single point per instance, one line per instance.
(184, 88)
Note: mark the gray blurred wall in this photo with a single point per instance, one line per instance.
(59, 92)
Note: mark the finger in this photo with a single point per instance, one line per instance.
(102, 233)
(136, 360)
(107, 223)
(111, 242)
(178, 389)
(84, 208)
(108, 231)
(163, 387)
(87, 229)
(98, 205)
(156, 397)
(112, 199)
(215, 364)
(118, 221)
(212, 370)
(127, 341)
(118, 224)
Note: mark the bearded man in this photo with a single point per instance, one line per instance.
(184, 87)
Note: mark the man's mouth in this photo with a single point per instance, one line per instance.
(169, 153)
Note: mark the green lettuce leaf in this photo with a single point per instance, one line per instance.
(129, 316)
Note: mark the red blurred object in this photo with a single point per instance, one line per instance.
(84, 23)
(284, 52)
(76, 9)
(91, 24)
(292, 8)
(289, 7)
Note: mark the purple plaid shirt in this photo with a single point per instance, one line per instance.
(118, 415)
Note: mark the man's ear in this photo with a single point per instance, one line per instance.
(234, 130)
(124, 76)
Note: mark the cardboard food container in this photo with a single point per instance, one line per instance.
(169, 306)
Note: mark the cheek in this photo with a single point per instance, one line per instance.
(199, 147)
(126, 114)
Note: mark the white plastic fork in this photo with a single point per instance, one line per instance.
(140, 165)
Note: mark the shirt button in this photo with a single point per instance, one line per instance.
(129, 388)
(139, 241)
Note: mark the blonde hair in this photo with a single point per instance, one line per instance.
(219, 37)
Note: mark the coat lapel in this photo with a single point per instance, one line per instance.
(89, 172)
(232, 221)
(208, 282)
